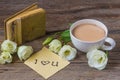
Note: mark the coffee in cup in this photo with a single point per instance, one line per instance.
(88, 34)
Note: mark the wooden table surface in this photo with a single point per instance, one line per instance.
(59, 14)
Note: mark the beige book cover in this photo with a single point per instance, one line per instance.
(26, 25)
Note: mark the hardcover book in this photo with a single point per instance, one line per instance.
(26, 25)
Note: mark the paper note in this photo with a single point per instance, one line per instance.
(46, 63)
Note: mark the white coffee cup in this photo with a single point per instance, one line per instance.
(86, 46)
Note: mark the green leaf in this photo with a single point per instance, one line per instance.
(65, 36)
(48, 40)
(107, 53)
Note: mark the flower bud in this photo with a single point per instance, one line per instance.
(67, 52)
(5, 57)
(24, 52)
(97, 59)
(47, 41)
(9, 46)
(55, 45)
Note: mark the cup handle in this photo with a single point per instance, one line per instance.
(111, 42)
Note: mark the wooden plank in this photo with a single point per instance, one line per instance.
(59, 14)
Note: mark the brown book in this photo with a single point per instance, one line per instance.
(26, 25)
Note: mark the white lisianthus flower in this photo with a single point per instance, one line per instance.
(5, 57)
(55, 45)
(97, 59)
(24, 52)
(9, 46)
(2, 61)
(67, 52)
